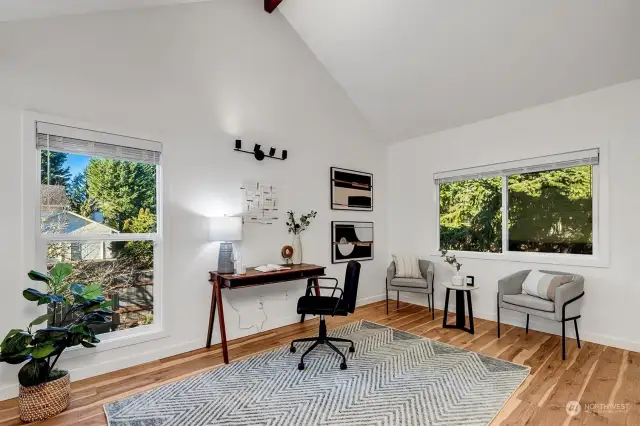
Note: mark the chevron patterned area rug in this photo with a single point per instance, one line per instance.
(394, 378)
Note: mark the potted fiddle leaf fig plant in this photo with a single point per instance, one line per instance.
(71, 311)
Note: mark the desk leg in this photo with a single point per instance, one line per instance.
(212, 314)
(223, 332)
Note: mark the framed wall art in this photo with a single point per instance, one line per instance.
(351, 190)
(351, 241)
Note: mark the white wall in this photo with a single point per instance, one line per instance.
(194, 77)
(608, 118)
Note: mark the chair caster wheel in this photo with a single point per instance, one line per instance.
(352, 349)
(301, 366)
(292, 350)
(343, 366)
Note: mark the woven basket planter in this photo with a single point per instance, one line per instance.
(44, 401)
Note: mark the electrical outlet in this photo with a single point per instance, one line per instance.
(286, 294)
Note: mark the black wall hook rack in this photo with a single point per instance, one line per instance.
(259, 154)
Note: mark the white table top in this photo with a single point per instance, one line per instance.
(449, 285)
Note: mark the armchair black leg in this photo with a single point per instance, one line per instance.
(498, 307)
(564, 349)
(527, 328)
(575, 323)
(398, 302)
(343, 366)
(387, 301)
(432, 305)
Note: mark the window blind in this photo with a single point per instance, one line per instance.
(81, 141)
(531, 165)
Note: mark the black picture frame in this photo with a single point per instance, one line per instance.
(360, 184)
(361, 252)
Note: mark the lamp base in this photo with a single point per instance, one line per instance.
(225, 258)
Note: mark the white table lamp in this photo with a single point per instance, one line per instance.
(225, 229)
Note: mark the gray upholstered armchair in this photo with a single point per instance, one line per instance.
(564, 308)
(422, 285)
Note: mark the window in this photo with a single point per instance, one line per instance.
(543, 205)
(552, 211)
(471, 215)
(99, 211)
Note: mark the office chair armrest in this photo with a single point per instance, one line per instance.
(324, 278)
(335, 308)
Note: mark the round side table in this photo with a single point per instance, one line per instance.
(460, 309)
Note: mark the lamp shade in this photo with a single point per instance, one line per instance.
(225, 228)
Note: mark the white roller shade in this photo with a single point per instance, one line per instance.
(531, 165)
(80, 141)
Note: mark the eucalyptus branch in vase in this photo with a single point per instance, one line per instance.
(297, 227)
(451, 260)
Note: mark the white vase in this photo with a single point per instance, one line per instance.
(297, 250)
(456, 280)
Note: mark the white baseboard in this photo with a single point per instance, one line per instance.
(538, 324)
(371, 299)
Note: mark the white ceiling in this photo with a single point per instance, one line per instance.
(12, 10)
(418, 66)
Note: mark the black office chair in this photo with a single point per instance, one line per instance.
(330, 305)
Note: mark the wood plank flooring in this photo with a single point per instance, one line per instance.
(606, 379)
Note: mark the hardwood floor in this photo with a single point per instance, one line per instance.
(595, 375)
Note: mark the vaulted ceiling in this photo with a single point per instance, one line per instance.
(419, 66)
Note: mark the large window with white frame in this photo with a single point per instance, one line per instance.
(545, 205)
(99, 210)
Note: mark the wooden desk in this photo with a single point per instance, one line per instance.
(250, 279)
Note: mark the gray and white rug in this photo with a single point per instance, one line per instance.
(394, 378)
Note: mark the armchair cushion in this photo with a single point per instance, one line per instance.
(406, 266)
(409, 282)
(531, 302)
(544, 285)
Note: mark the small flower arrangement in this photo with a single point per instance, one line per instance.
(296, 227)
(451, 260)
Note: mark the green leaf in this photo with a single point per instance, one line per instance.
(9, 335)
(77, 289)
(33, 373)
(33, 295)
(53, 335)
(43, 351)
(38, 276)
(92, 291)
(18, 358)
(17, 343)
(60, 272)
(41, 319)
